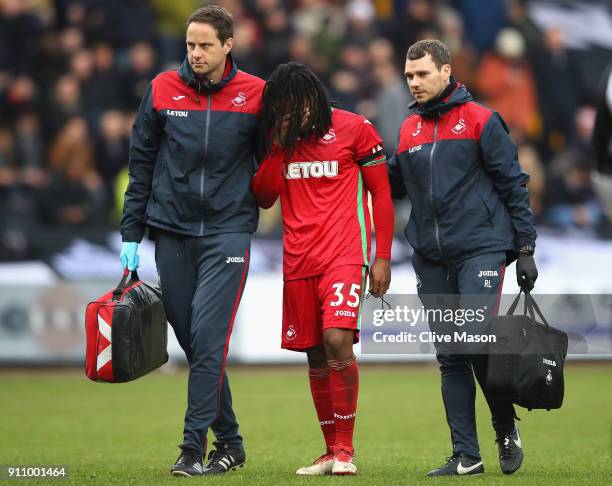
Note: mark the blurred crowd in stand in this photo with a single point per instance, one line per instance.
(72, 73)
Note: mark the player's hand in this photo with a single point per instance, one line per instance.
(129, 255)
(380, 277)
(526, 272)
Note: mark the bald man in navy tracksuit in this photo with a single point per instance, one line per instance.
(470, 218)
(191, 163)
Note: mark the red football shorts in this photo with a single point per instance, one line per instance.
(330, 300)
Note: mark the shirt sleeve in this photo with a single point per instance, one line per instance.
(501, 163)
(371, 160)
(368, 145)
(377, 184)
(144, 145)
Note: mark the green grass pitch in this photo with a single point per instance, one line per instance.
(128, 434)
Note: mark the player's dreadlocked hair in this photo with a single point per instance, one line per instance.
(293, 91)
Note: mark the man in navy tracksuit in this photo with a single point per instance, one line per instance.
(470, 218)
(191, 163)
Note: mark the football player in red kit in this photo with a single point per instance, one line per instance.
(323, 161)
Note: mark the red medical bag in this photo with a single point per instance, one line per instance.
(127, 332)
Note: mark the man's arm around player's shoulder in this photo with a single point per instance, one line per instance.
(268, 180)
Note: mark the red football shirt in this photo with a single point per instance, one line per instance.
(324, 203)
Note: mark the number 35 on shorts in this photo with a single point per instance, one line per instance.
(350, 295)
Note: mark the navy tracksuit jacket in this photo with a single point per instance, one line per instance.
(470, 214)
(191, 162)
(459, 167)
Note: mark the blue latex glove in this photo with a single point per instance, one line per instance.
(129, 255)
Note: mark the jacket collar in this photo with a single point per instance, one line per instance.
(188, 76)
(456, 94)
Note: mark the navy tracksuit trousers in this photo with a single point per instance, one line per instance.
(480, 277)
(202, 280)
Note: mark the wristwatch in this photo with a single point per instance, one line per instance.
(527, 250)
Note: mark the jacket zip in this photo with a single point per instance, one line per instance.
(433, 209)
(206, 130)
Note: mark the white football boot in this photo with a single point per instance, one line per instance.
(320, 467)
(343, 463)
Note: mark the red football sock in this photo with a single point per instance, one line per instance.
(344, 386)
(321, 396)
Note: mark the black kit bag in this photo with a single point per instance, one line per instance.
(526, 361)
(127, 332)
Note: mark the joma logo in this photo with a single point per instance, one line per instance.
(234, 260)
(488, 273)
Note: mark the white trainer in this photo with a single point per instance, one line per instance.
(320, 467)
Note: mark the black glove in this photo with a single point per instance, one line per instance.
(526, 272)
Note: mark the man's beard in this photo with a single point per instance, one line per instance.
(204, 75)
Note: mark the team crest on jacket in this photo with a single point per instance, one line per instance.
(329, 137)
(239, 100)
(459, 127)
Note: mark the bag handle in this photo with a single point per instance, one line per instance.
(530, 307)
(533, 306)
(514, 304)
(124, 282)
